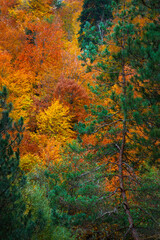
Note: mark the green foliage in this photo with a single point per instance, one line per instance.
(36, 202)
(146, 63)
(62, 233)
(35, 195)
(148, 213)
(126, 128)
(76, 193)
(57, 3)
(94, 12)
(14, 223)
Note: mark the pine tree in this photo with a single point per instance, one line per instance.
(77, 197)
(14, 224)
(144, 51)
(126, 68)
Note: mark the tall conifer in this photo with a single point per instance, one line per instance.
(127, 123)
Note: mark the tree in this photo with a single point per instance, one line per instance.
(73, 95)
(144, 50)
(37, 201)
(94, 12)
(120, 125)
(14, 223)
(55, 122)
(77, 198)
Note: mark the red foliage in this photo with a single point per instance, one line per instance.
(73, 95)
(28, 145)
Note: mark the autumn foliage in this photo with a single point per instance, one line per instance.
(83, 75)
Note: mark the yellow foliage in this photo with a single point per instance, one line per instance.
(38, 7)
(20, 86)
(29, 161)
(56, 122)
(5, 63)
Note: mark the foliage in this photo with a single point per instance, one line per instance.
(55, 121)
(37, 201)
(123, 126)
(76, 193)
(149, 196)
(14, 223)
(29, 161)
(95, 12)
(74, 95)
(105, 184)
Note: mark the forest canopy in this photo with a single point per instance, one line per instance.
(79, 119)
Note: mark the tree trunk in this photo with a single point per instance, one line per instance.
(121, 154)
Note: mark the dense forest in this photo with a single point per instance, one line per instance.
(79, 119)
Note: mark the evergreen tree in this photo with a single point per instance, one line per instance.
(76, 193)
(144, 51)
(126, 126)
(14, 224)
(94, 12)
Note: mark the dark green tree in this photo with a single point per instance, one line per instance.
(94, 12)
(76, 191)
(14, 224)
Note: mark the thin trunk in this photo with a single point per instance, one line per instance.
(121, 178)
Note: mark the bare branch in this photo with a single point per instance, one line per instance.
(107, 213)
(105, 196)
(107, 124)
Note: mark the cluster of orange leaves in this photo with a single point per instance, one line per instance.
(39, 66)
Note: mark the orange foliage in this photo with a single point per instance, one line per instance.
(73, 95)
(38, 64)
